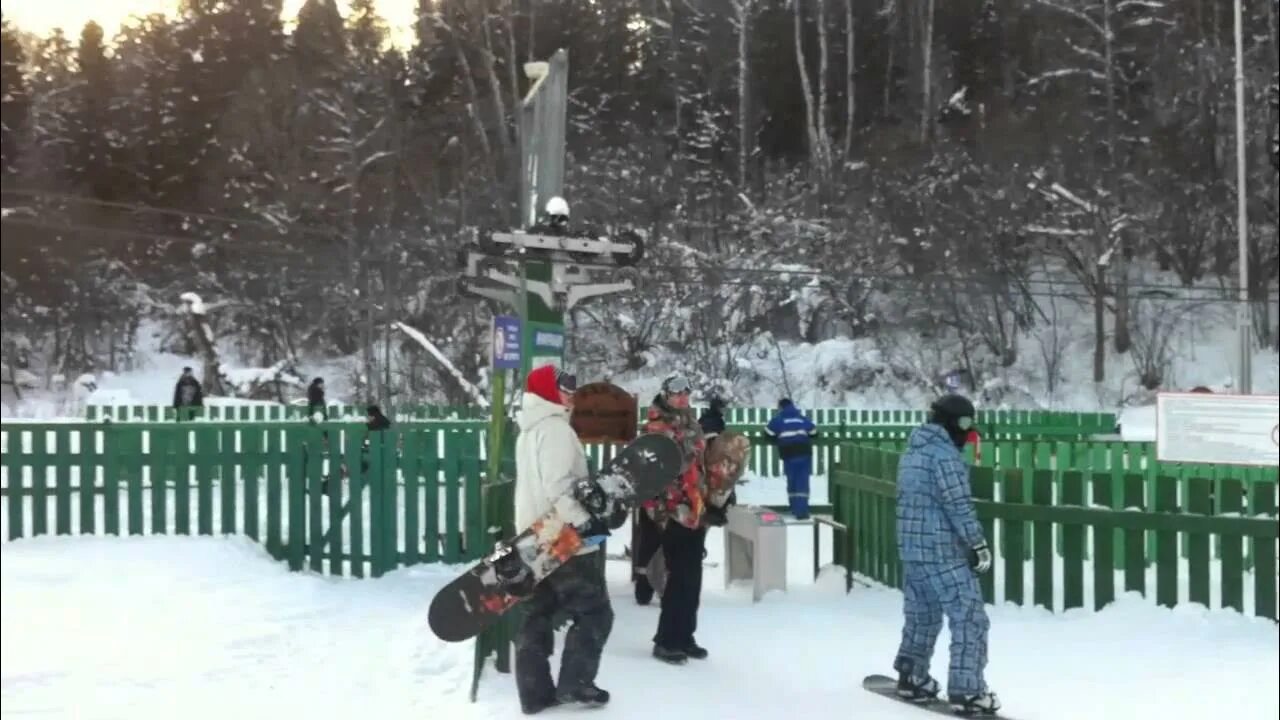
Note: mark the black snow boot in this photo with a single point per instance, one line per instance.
(536, 707)
(669, 655)
(695, 651)
(587, 695)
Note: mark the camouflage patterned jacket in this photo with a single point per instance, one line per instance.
(683, 499)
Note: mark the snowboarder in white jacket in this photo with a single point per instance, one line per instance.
(549, 457)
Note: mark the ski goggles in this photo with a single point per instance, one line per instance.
(965, 423)
(566, 381)
(677, 385)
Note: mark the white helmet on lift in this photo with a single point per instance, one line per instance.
(557, 207)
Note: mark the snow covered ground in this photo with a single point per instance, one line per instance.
(167, 627)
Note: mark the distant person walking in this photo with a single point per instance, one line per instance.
(187, 393)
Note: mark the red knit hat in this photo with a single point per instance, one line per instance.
(547, 381)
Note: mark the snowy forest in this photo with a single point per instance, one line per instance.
(964, 174)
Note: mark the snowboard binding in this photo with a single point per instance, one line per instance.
(514, 577)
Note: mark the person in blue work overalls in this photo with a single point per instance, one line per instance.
(793, 433)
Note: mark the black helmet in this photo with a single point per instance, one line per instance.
(956, 414)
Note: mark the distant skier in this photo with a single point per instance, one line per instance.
(793, 433)
(942, 549)
(549, 457)
(187, 393)
(679, 517)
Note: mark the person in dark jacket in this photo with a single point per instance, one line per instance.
(793, 433)
(712, 419)
(187, 393)
(375, 420)
(315, 400)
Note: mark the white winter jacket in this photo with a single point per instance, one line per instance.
(549, 457)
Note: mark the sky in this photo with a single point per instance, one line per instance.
(41, 16)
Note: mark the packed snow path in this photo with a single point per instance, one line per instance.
(175, 628)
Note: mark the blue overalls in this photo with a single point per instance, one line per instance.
(793, 433)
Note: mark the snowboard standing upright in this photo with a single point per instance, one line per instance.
(477, 598)
(725, 462)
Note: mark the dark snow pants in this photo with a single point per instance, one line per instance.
(577, 588)
(646, 541)
(682, 550)
(930, 590)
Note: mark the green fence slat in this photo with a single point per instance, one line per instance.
(1014, 538)
(40, 457)
(251, 472)
(89, 459)
(157, 463)
(1166, 544)
(228, 479)
(1104, 564)
(207, 449)
(1231, 500)
(62, 482)
(982, 483)
(182, 460)
(133, 485)
(1264, 554)
(1197, 544)
(1130, 546)
(1072, 537)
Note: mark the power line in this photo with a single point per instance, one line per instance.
(173, 212)
(331, 234)
(904, 284)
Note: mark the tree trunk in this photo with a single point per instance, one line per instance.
(926, 76)
(1099, 325)
(742, 9)
(806, 87)
(850, 85)
(824, 137)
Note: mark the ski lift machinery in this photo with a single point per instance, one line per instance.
(492, 266)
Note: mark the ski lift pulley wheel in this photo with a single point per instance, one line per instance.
(629, 259)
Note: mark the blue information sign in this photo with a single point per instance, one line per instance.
(506, 343)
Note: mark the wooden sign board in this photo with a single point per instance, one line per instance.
(604, 412)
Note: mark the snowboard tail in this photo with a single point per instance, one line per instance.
(887, 687)
(511, 572)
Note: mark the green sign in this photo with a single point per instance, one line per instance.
(544, 343)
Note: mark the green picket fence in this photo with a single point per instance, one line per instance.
(315, 495)
(994, 423)
(1087, 569)
(272, 412)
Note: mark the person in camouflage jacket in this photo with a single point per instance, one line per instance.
(678, 512)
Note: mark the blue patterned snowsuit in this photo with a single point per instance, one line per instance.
(937, 527)
(793, 433)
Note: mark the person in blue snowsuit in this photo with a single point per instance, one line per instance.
(793, 433)
(942, 548)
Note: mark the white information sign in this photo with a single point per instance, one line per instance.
(1225, 429)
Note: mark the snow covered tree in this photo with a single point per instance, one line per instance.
(14, 102)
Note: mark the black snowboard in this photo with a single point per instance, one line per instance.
(478, 597)
(886, 686)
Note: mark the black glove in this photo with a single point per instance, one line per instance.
(980, 558)
(594, 526)
(618, 517)
(716, 517)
